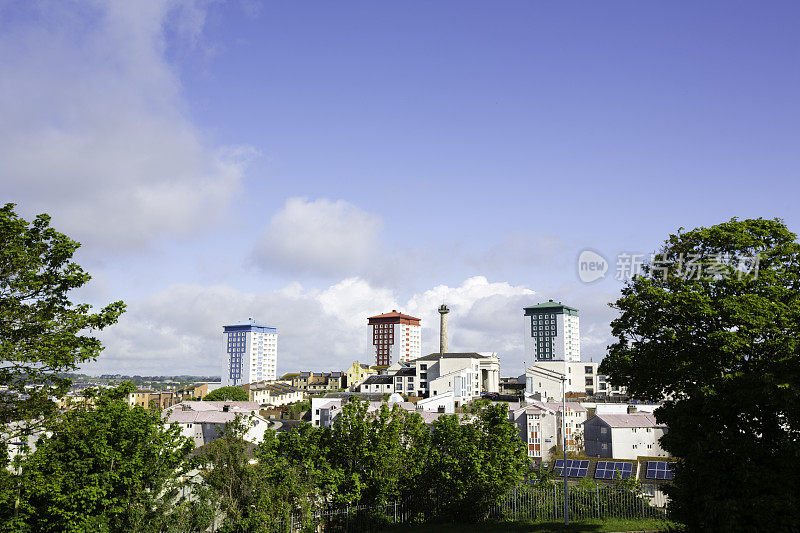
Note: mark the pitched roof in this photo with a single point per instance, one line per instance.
(406, 372)
(395, 314)
(378, 380)
(633, 420)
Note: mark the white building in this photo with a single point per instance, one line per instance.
(204, 422)
(624, 436)
(251, 353)
(394, 337)
(540, 427)
(383, 384)
(466, 374)
(273, 393)
(552, 332)
(582, 379)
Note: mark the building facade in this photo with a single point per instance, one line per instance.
(553, 332)
(357, 373)
(466, 374)
(394, 337)
(273, 393)
(582, 379)
(624, 436)
(251, 350)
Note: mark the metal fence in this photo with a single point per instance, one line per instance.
(543, 503)
(598, 501)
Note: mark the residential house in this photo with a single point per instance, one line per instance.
(624, 436)
(357, 373)
(204, 422)
(273, 393)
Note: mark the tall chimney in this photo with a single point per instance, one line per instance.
(443, 310)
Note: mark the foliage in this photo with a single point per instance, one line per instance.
(471, 465)
(42, 333)
(107, 468)
(381, 454)
(233, 394)
(723, 347)
(298, 407)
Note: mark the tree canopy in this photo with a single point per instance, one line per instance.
(42, 332)
(233, 394)
(107, 467)
(713, 325)
(454, 468)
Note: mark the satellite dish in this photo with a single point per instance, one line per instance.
(396, 398)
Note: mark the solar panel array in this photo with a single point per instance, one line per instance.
(613, 470)
(658, 470)
(575, 467)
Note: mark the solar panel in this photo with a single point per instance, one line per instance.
(613, 470)
(658, 470)
(574, 467)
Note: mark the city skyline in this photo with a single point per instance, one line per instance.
(312, 165)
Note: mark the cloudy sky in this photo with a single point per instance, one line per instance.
(310, 164)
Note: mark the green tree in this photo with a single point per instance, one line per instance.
(105, 468)
(472, 464)
(719, 339)
(381, 454)
(234, 394)
(42, 332)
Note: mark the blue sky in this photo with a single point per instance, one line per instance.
(310, 164)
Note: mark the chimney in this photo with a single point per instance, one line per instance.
(443, 310)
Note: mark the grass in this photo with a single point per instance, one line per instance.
(527, 526)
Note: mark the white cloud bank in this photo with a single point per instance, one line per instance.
(94, 128)
(179, 330)
(323, 237)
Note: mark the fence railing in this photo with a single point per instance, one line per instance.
(598, 501)
(543, 502)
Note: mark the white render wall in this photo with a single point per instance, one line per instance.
(629, 443)
(577, 378)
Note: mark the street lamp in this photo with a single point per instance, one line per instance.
(552, 374)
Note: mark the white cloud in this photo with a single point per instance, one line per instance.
(178, 331)
(94, 129)
(321, 237)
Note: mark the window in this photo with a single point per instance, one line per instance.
(588, 370)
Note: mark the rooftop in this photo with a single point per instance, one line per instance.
(549, 305)
(633, 420)
(466, 355)
(378, 380)
(395, 314)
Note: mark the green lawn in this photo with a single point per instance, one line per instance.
(526, 526)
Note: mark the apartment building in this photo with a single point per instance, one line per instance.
(394, 337)
(624, 436)
(251, 353)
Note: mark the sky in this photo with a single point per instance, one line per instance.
(310, 164)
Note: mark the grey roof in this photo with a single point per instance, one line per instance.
(434, 356)
(378, 380)
(633, 420)
(279, 388)
(406, 372)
